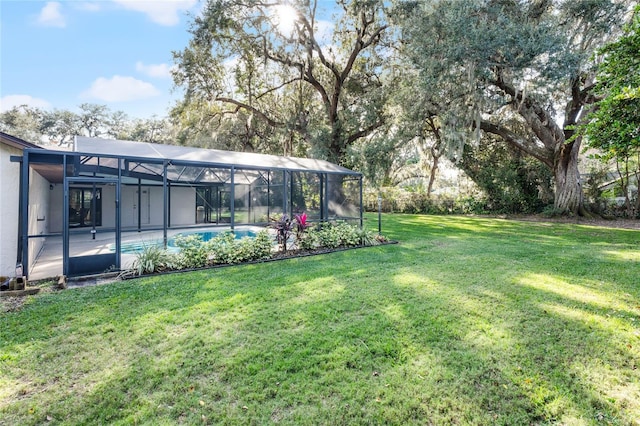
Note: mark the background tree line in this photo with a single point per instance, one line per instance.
(509, 91)
(58, 127)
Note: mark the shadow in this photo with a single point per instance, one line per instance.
(471, 321)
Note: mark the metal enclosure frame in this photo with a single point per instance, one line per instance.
(125, 171)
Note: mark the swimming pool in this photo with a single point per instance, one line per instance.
(133, 247)
(208, 235)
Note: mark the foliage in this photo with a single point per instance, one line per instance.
(153, 259)
(334, 235)
(370, 238)
(469, 321)
(301, 226)
(512, 181)
(614, 128)
(194, 253)
(498, 63)
(60, 126)
(283, 227)
(251, 75)
(226, 249)
(402, 200)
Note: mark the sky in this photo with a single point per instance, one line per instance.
(118, 53)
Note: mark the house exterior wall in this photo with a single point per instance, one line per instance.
(55, 208)
(9, 210)
(9, 199)
(38, 213)
(183, 206)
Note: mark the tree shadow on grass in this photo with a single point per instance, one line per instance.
(403, 334)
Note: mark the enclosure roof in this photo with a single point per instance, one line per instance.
(112, 147)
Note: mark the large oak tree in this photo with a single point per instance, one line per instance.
(282, 71)
(500, 60)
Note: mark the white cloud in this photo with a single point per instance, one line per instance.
(50, 15)
(154, 70)
(10, 101)
(166, 12)
(120, 89)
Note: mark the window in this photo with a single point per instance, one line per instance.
(85, 207)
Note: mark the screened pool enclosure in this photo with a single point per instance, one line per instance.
(106, 192)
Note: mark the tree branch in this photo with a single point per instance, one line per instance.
(364, 132)
(541, 122)
(517, 141)
(251, 108)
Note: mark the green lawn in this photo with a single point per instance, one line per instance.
(467, 321)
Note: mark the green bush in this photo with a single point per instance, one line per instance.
(194, 252)
(400, 200)
(221, 248)
(225, 249)
(332, 235)
(370, 238)
(262, 245)
(153, 259)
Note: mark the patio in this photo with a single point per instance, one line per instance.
(95, 200)
(49, 261)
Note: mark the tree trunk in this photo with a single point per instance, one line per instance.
(434, 170)
(569, 195)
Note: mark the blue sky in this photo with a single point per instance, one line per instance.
(110, 52)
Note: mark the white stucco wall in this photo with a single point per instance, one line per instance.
(38, 211)
(156, 202)
(9, 210)
(55, 208)
(183, 206)
(9, 197)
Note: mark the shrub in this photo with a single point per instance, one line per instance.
(333, 235)
(226, 249)
(262, 245)
(301, 226)
(370, 238)
(194, 252)
(283, 227)
(153, 259)
(222, 248)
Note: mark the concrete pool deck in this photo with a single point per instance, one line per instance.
(48, 262)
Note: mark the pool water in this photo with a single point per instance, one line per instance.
(138, 246)
(209, 235)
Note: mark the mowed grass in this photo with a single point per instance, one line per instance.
(465, 321)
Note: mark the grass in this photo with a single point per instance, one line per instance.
(467, 321)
